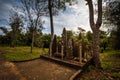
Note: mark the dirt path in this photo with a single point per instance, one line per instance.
(8, 71)
(34, 70)
(44, 70)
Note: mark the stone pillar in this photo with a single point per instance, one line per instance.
(64, 39)
(54, 45)
(80, 54)
(59, 47)
(62, 52)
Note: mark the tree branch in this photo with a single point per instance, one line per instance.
(91, 14)
(99, 20)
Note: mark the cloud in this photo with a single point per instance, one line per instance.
(73, 17)
(5, 7)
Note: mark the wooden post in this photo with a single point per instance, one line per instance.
(80, 54)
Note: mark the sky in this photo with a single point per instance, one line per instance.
(73, 17)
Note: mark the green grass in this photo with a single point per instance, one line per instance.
(116, 75)
(90, 68)
(110, 60)
(21, 53)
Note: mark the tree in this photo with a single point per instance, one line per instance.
(103, 40)
(89, 36)
(16, 24)
(4, 29)
(95, 28)
(33, 10)
(53, 8)
(69, 34)
(5, 39)
(113, 16)
(54, 5)
(46, 40)
(81, 33)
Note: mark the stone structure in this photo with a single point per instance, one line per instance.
(64, 41)
(69, 49)
(54, 45)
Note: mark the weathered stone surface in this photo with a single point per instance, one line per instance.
(54, 45)
(64, 40)
(59, 47)
(69, 49)
(75, 49)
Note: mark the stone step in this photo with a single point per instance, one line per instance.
(63, 62)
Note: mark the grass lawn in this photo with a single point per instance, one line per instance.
(110, 60)
(21, 53)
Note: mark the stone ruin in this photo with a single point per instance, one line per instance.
(69, 49)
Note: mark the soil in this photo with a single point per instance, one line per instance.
(38, 69)
(97, 74)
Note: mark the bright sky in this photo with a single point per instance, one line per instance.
(73, 17)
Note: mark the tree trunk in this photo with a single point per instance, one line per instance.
(95, 28)
(51, 24)
(96, 55)
(32, 43)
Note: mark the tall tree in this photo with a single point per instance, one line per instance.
(53, 7)
(4, 29)
(33, 10)
(51, 24)
(95, 28)
(113, 16)
(16, 24)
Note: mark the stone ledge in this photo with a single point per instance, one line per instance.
(75, 75)
(62, 62)
(80, 68)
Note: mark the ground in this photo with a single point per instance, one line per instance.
(38, 69)
(97, 74)
(110, 61)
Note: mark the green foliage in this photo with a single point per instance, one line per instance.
(115, 75)
(4, 29)
(89, 36)
(110, 60)
(113, 11)
(104, 78)
(90, 68)
(86, 42)
(103, 41)
(16, 25)
(46, 40)
(113, 17)
(21, 53)
(69, 34)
